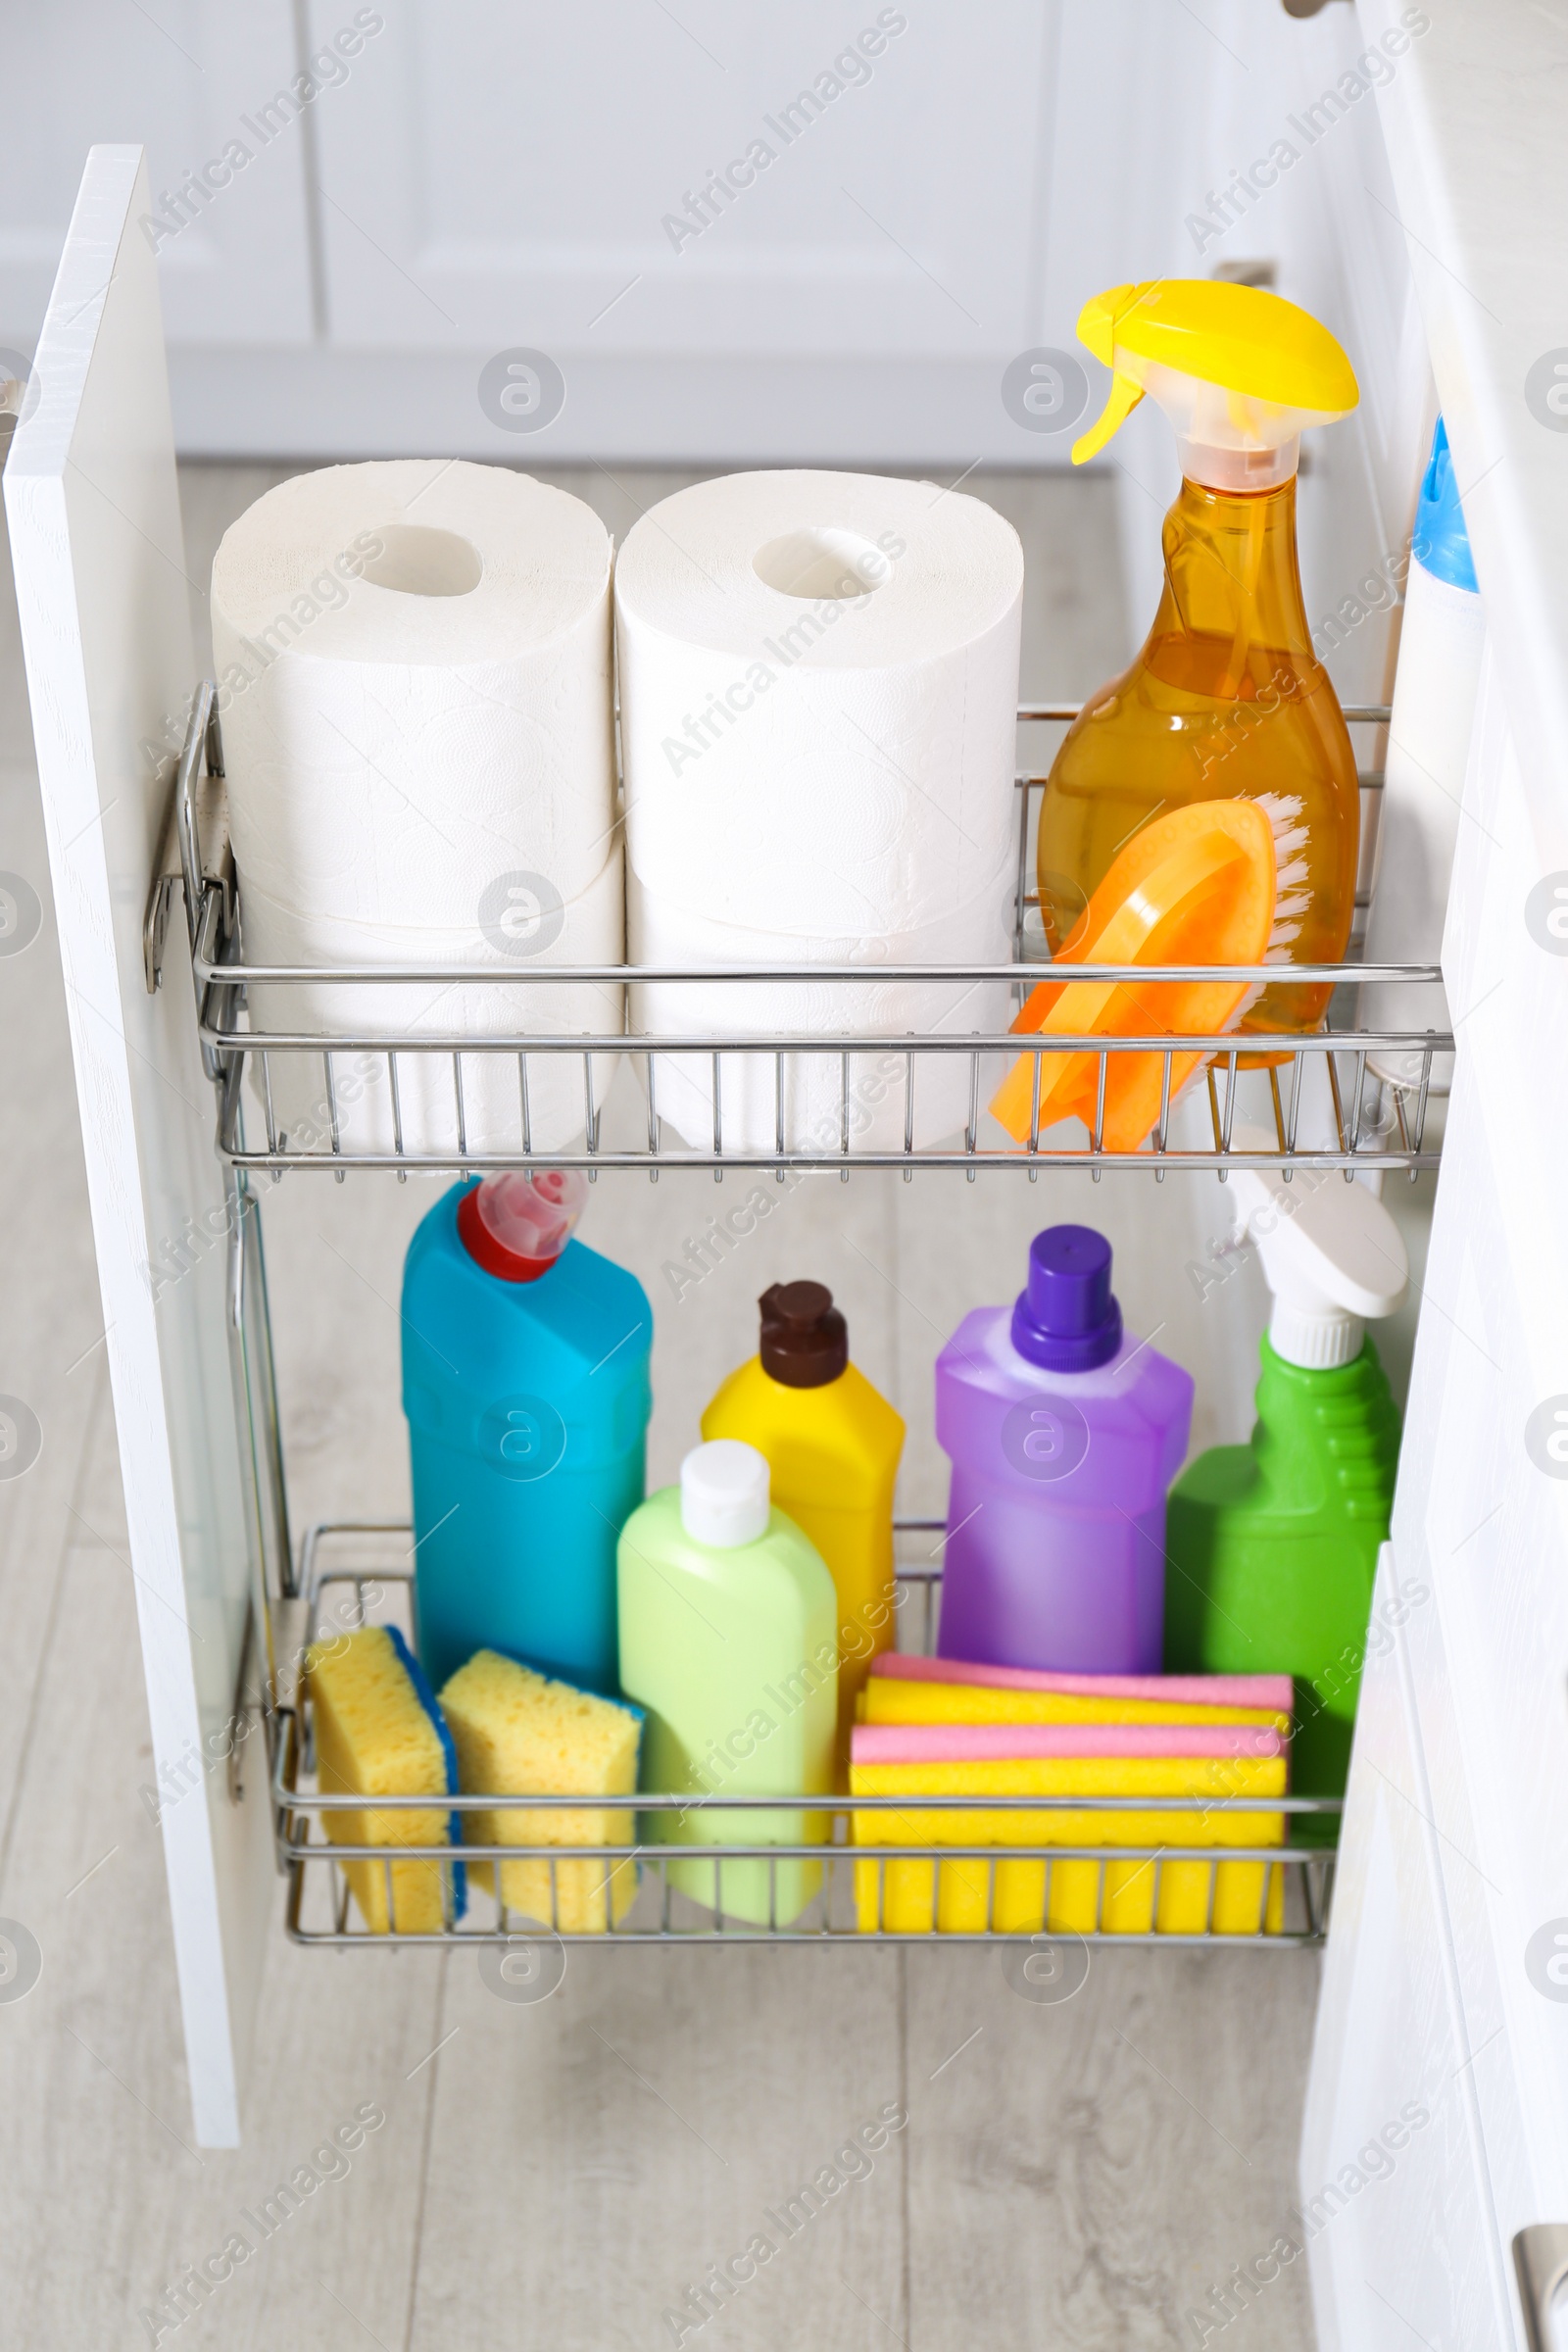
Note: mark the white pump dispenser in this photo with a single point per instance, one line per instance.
(1334, 1257)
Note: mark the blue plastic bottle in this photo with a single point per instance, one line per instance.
(525, 1387)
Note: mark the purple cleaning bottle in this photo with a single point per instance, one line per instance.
(1064, 1434)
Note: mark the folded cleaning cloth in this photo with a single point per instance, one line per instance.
(1075, 1892)
(1272, 1691)
(896, 1698)
(1011, 1742)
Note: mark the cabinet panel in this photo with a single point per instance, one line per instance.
(101, 592)
(850, 289)
(1481, 1513)
(1395, 2203)
(577, 171)
(197, 81)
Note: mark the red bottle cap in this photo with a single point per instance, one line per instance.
(517, 1226)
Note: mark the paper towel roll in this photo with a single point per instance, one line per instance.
(814, 1105)
(818, 690)
(589, 929)
(414, 681)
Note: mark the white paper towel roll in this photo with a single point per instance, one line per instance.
(589, 929)
(818, 688)
(414, 681)
(806, 1092)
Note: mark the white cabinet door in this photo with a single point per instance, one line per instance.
(1396, 2211)
(195, 81)
(103, 598)
(737, 233)
(1479, 168)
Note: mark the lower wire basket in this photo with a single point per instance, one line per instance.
(1053, 1872)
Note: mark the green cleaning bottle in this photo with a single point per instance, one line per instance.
(1272, 1547)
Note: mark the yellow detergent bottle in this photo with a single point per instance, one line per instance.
(1226, 700)
(832, 1445)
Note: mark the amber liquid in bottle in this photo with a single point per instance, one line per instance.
(1226, 700)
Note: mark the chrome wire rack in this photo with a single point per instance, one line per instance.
(879, 1873)
(337, 1091)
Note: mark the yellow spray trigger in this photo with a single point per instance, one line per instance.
(1124, 397)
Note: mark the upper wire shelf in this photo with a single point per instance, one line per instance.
(341, 1093)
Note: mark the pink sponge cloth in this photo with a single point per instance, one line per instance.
(1273, 1691)
(979, 1742)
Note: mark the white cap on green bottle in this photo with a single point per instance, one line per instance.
(1334, 1257)
(724, 1496)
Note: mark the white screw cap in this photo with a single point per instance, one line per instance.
(724, 1498)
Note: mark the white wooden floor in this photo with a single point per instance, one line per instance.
(559, 2175)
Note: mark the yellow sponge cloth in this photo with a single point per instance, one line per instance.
(890, 1700)
(1154, 1891)
(519, 1733)
(377, 1733)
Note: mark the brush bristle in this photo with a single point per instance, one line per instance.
(1293, 895)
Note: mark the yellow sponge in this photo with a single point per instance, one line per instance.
(378, 1734)
(1073, 1894)
(519, 1733)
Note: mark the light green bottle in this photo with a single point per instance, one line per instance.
(1272, 1547)
(727, 1639)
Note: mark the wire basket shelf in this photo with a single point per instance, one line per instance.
(868, 1878)
(1320, 1101)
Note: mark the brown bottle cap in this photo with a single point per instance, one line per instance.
(805, 1341)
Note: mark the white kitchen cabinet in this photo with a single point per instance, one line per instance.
(194, 82)
(1397, 2214)
(1440, 1996)
(502, 190)
(1477, 153)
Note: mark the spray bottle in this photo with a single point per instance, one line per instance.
(1226, 700)
(1272, 1547)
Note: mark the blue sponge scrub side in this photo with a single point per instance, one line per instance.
(428, 1700)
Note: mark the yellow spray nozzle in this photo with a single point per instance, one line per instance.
(1273, 367)
(1123, 398)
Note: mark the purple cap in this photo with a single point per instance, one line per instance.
(1066, 1320)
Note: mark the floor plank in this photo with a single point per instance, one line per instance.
(93, 2079)
(596, 2152)
(1085, 2171)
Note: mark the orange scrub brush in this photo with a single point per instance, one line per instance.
(1217, 882)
